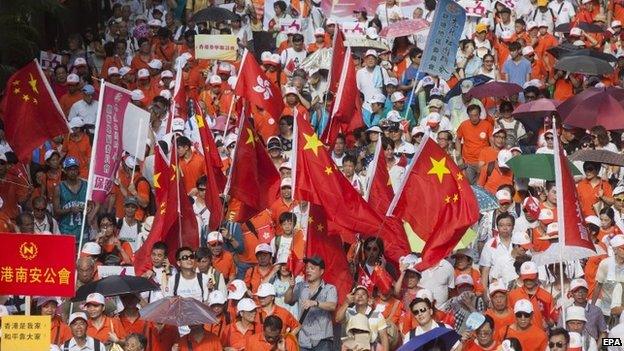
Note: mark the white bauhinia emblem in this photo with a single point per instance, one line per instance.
(263, 87)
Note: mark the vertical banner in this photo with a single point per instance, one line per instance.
(108, 141)
(440, 51)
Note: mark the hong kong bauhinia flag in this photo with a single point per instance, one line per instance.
(30, 111)
(253, 85)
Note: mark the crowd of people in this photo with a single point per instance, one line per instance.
(491, 292)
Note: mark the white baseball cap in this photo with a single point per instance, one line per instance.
(397, 96)
(113, 71)
(143, 73)
(593, 220)
(464, 279)
(546, 216)
(216, 297)
(496, 287)
(50, 153)
(266, 289)
(79, 61)
(230, 139)
(503, 196)
(91, 248)
(523, 305)
(552, 230)
(237, 289)
(95, 298)
(503, 157)
(527, 50)
(393, 116)
(154, 23)
(425, 294)
(618, 190)
(392, 81)
(528, 270)
(137, 95)
(377, 98)
(78, 315)
(274, 59)
(575, 313)
(319, 32)
(73, 78)
(214, 236)
(246, 305)
(124, 70)
(417, 130)
(165, 93)
(616, 23)
(76, 122)
(521, 239)
(166, 74)
(576, 31)
(215, 80)
(370, 52)
(578, 283)
(264, 247)
(617, 241)
(286, 182)
(531, 24)
(155, 64)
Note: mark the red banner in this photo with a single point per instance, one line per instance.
(33, 265)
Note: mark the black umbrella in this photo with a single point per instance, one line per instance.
(213, 14)
(587, 27)
(564, 51)
(584, 64)
(601, 156)
(476, 80)
(116, 285)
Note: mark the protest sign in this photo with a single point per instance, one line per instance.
(135, 131)
(221, 47)
(35, 264)
(25, 333)
(107, 271)
(49, 60)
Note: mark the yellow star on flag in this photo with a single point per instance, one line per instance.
(17, 91)
(175, 171)
(33, 83)
(329, 170)
(35, 101)
(16, 83)
(250, 137)
(312, 143)
(438, 167)
(25, 97)
(320, 227)
(163, 208)
(310, 219)
(460, 176)
(447, 199)
(156, 178)
(455, 197)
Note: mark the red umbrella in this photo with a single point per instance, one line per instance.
(495, 89)
(404, 28)
(567, 107)
(600, 109)
(536, 109)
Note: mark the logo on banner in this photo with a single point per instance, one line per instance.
(28, 250)
(263, 87)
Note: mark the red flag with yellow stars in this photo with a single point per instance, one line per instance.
(215, 179)
(317, 180)
(437, 201)
(379, 193)
(254, 180)
(174, 222)
(30, 111)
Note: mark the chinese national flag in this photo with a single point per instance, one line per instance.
(380, 191)
(338, 56)
(317, 180)
(253, 85)
(30, 111)
(329, 248)
(215, 179)
(174, 222)
(436, 200)
(255, 181)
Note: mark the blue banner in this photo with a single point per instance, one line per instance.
(443, 39)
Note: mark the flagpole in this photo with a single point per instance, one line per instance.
(91, 165)
(294, 151)
(136, 152)
(329, 74)
(228, 184)
(560, 208)
(374, 169)
(51, 92)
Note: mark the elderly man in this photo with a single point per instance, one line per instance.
(85, 108)
(80, 341)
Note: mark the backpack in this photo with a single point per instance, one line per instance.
(151, 204)
(176, 283)
(512, 134)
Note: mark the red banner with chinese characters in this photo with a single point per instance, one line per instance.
(33, 265)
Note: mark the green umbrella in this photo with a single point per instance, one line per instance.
(540, 166)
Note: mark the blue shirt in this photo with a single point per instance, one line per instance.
(410, 74)
(517, 72)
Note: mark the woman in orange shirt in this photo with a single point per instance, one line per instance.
(463, 265)
(60, 332)
(245, 326)
(108, 239)
(607, 224)
(198, 340)
(483, 338)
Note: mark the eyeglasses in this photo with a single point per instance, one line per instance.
(201, 189)
(619, 199)
(559, 344)
(523, 315)
(187, 257)
(417, 311)
(549, 138)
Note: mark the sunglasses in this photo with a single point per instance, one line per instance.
(417, 311)
(619, 199)
(215, 244)
(523, 315)
(549, 138)
(558, 344)
(187, 257)
(201, 189)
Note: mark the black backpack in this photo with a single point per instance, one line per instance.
(97, 345)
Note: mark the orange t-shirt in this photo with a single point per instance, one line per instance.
(109, 248)
(166, 52)
(111, 324)
(538, 70)
(495, 179)
(225, 265)
(81, 150)
(476, 278)
(254, 276)
(542, 302)
(139, 325)
(13, 190)
(487, 155)
(258, 343)
(162, 339)
(143, 193)
(475, 138)
(59, 332)
(289, 322)
(278, 207)
(68, 100)
(471, 345)
(139, 63)
(209, 342)
(563, 89)
(266, 125)
(390, 306)
(531, 339)
(588, 195)
(112, 61)
(236, 339)
(219, 329)
(501, 322)
(192, 169)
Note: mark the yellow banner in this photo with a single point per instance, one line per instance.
(25, 333)
(221, 47)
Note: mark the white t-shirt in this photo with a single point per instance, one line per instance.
(290, 54)
(189, 288)
(283, 251)
(130, 233)
(563, 11)
(439, 280)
